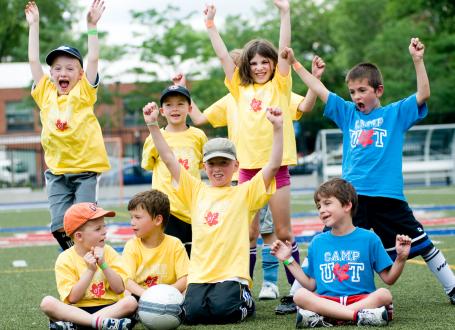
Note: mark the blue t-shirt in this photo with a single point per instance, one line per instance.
(373, 143)
(345, 265)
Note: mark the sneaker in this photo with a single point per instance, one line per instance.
(452, 296)
(309, 319)
(373, 316)
(389, 312)
(116, 324)
(62, 325)
(287, 306)
(269, 291)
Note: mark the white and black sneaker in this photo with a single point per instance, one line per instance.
(374, 316)
(309, 319)
(116, 324)
(62, 325)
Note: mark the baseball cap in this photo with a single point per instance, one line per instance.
(78, 214)
(175, 89)
(63, 50)
(219, 147)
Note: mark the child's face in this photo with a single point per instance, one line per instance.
(261, 69)
(220, 171)
(364, 96)
(175, 108)
(65, 73)
(92, 233)
(331, 212)
(142, 223)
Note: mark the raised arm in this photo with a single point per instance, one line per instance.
(317, 69)
(32, 16)
(93, 16)
(217, 43)
(285, 33)
(402, 246)
(311, 81)
(271, 168)
(417, 49)
(151, 113)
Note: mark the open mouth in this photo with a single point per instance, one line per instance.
(64, 83)
(361, 106)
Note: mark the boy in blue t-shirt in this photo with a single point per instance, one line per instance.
(373, 137)
(341, 264)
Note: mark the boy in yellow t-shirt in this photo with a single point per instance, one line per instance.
(218, 276)
(90, 277)
(186, 142)
(152, 257)
(71, 136)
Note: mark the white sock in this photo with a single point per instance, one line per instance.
(438, 265)
(296, 285)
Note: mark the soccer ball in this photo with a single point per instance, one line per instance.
(160, 307)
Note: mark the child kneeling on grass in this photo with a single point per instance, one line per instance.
(341, 265)
(90, 277)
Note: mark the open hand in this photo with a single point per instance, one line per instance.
(416, 49)
(151, 112)
(31, 13)
(95, 12)
(317, 67)
(281, 250)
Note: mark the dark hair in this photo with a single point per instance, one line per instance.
(341, 190)
(256, 46)
(366, 70)
(154, 202)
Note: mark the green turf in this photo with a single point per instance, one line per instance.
(418, 298)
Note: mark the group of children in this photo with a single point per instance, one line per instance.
(201, 238)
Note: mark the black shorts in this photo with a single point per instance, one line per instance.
(389, 217)
(180, 229)
(217, 303)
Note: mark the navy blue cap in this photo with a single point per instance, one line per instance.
(63, 50)
(175, 89)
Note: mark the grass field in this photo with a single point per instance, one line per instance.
(418, 298)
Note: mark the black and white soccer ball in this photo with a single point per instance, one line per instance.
(160, 307)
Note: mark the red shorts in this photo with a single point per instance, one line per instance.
(282, 177)
(346, 300)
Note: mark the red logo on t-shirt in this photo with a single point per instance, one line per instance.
(341, 272)
(256, 105)
(61, 125)
(151, 281)
(98, 289)
(365, 137)
(184, 162)
(211, 218)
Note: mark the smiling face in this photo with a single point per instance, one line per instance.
(261, 69)
(175, 108)
(66, 71)
(332, 213)
(92, 233)
(220, 171)
(142, 222)
(365, 97)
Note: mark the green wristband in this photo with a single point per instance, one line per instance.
(104, 265)
(92, 32)
(289, 261)
(153, 123)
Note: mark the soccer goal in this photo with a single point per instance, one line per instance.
(428, 154)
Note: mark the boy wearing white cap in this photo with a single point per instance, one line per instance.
(218, 276)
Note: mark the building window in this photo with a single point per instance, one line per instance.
(19, 117)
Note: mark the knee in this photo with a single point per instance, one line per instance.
(48, 304)
(129, 304)
(302, 298)
(384, 296)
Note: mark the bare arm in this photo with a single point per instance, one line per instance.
(276, 155)
(403, 246)
(93, 16)
(217, 43)
(311, 81)
(283, 252)
(317, 69)
(134, 288)
(78, 290)
(417, 49)
(180, 284)
(151, 112)
(32, 16)
(114, 279)
(285, 33)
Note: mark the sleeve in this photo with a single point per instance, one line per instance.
(234, 84)
(338, 110)
(182, 261)
(409, 112)
(149, 154)
(307, 266)
(115, 261)
(88, 91)
(296, 99)
(284, 83)
(379, 257)
(203, 141)
(216, 113)
(258, 195)
(40, 91)
(187, 188)
(129, 260)
(66, 276)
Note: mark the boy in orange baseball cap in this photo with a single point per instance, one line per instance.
(90, 277)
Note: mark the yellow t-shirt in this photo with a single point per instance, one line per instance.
(80, 147)
(255, 132)
(187, 148)
(68, 270)
(220, 219)
(164, 264)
